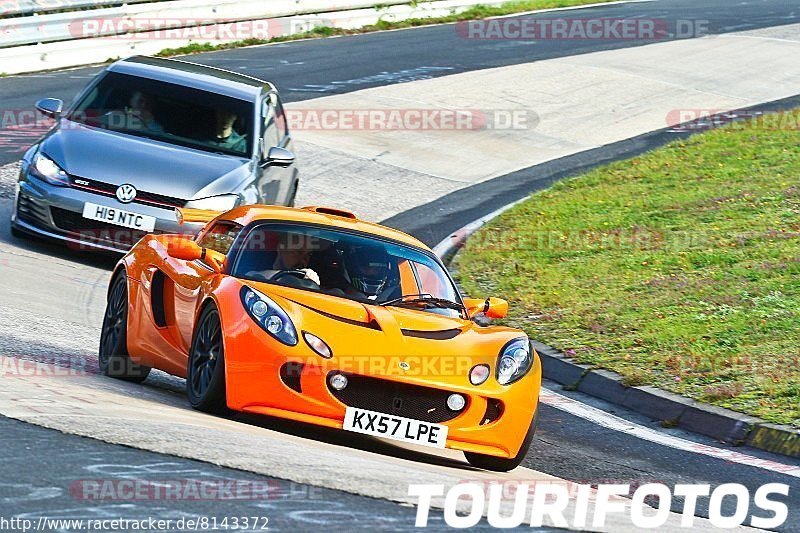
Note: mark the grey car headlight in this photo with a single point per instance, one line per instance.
(46, 169)
(515, 361)
(222, 203)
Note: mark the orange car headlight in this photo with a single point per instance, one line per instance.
(515, 361)
(269, 315)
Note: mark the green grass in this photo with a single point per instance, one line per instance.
(679, 268)
(473, 13)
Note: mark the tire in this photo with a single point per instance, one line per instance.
(205, 375)
(17, 233)
(501, 464)
(113, 356)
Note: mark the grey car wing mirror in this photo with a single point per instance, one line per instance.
(280, 157)
(50, 107)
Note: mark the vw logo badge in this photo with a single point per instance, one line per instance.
(404, 365)
(126, 193)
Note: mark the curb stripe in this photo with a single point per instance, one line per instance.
(616, 423)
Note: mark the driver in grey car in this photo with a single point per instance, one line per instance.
(137, 115)
(225, 135)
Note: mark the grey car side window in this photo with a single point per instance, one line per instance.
(280, 117)
(272, 135)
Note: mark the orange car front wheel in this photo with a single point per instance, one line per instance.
(501, 464)
(205, 376)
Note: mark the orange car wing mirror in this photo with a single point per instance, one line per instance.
(490, 307)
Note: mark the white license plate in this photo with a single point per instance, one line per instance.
(395, 427)
(118, 217)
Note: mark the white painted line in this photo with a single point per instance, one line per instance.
(458, 238)
(616, 423)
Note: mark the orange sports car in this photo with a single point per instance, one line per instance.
(313, 315)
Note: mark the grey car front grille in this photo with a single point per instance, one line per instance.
(31, 211)
(142, 197)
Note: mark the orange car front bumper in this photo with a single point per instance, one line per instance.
(266, 377)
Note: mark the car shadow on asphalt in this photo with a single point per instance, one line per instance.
(337, 437)
(91, 258)
(170, 390)
(176, 388)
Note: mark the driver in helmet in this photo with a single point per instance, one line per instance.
(367, 269)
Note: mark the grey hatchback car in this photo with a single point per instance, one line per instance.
(148, 135)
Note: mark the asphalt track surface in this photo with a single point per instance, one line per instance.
(64, 464)
(320, 67)
(566, 446)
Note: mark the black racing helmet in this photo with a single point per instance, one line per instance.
(367, 268)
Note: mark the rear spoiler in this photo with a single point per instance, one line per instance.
(204, 216)
(185, 214)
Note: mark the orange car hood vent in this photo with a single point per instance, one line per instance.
(441, 335)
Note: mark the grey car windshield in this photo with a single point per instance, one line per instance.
(168, 112)
(349, 265)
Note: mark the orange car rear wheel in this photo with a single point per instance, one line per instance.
(113, 356)
(205, 375)
(500, 464)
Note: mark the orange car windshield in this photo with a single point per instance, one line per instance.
(349, 265)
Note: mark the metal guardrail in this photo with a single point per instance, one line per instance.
(131, 18)
(29, 7)
(62, 40)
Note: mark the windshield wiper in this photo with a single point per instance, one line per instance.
(424, 298)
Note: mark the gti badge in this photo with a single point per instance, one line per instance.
(126, 193)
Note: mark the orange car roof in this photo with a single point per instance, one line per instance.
(324, 216)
